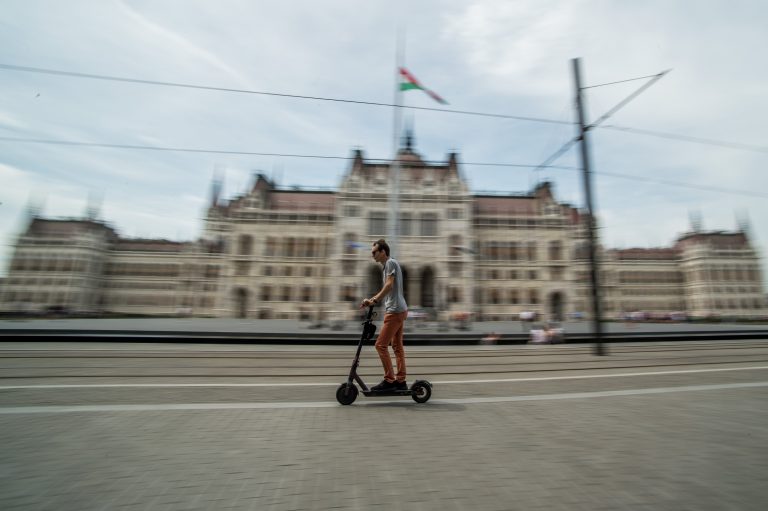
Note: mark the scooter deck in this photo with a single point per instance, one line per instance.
(384, 393)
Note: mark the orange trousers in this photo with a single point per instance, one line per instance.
(392, 334)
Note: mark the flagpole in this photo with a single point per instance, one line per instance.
(394, 196)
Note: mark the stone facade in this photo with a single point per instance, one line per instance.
(297, 254)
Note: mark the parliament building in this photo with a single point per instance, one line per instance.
(300, 254)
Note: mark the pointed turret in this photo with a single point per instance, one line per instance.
(357, 160)
(216, 187)
(543, 191)
(407, 142)
(453, 163)
(93, 207)
(406, 153)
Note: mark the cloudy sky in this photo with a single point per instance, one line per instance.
(490, 56)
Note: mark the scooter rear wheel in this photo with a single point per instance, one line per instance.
(422, 391)
(346, 394)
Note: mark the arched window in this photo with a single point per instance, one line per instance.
(455, 244)
(428, 224)
(349, 243)
(269, 247)
(245, 244)
(377, 223)
(406, 224)
(514, 253)
(454, 294)
(311, 247)
(531, 250)
(301, 247)
(289, 247)
(428, 287)
(555, 249)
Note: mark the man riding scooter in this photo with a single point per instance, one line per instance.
(395, 312)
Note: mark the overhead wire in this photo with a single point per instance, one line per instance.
(619, 81)
(687, 138)
(565, 147)
(667, 182)
(245, 153)
(554, 134)
(376, 160)
(621, 104)
(94, 76)
(546, 164)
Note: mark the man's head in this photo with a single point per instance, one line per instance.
(380, 251)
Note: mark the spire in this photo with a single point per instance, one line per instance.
(696, 222)
(408, 140)
(34, 207)
(357, 159)
(453, 164)
(93, 207)
(743, 224)
(217, 185)
(407, 153)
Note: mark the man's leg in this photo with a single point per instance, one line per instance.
(397, 346)
(386, 335)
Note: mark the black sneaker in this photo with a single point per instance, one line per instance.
(401, 385)
(384, 385)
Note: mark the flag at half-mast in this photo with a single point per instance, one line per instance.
(408, 82)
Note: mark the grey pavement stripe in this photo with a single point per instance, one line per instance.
(164, 385)
(605, 393)
(616, 375)
(332, 384)
(18, 410)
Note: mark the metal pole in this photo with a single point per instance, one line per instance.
(394, 167)
(591, 234)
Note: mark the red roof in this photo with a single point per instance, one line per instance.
(505, 205)
(65, 227)
(646, 254)
(716, 239)
(150, 245)
(303, 201)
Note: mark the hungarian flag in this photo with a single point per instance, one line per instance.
(410, 82)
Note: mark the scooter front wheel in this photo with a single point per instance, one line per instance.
(422, 391)
(346, 393)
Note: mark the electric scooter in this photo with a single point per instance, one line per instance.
(420, 391)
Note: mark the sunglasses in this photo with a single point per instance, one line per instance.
(373, 253)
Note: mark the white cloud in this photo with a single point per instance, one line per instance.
(153, 34)
(511, 43)
(486, 55)
(8, 121)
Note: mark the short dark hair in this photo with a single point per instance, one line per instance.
(382, 245)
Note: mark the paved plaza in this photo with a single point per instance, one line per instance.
(682, 438)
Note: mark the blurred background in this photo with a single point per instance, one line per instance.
(233, 160)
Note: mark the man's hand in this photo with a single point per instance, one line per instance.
(367, 303)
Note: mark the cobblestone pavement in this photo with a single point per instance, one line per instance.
(656, 442)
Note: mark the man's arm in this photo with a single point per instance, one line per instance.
(390, 282)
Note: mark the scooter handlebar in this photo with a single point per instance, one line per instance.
(370, 308)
